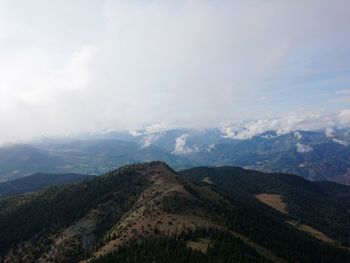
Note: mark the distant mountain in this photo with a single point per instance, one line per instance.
(314, 155)
(17, 161)
(38, 181)
(150, 213)
(79, 156)
(311, 155)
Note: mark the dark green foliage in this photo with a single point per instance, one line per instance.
(59, 206)
(338, 192)
(223, 248)
(38, 181)
(320, 205)
(268, 228)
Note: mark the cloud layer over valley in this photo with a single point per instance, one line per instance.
(69, 67)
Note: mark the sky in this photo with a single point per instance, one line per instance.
(91, 65)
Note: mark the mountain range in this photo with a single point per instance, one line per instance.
(150, 213)
(314, 155)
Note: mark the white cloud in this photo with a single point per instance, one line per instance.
(71, 66)
(150, 139)
(135, 133)
(341, 142)
(268, 136)
(210, 147)
(181, 147)
(297, 135)
(329, 132)
(302, 148)
(250, 129)
(302, 120)
(150, 133)
(151, 129)
(157, 128)
(344, 117)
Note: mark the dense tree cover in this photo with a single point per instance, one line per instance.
(269, 229)
(324, 206)
(38, 181)
(57, 207)
(341, 193)
(223, 248)
(228, 202)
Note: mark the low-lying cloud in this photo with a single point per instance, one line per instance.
(303, 120)
(181, 146)
(74, 66)
(303, 148)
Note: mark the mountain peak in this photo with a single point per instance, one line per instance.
(149, 202)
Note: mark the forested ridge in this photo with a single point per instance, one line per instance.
(324, 205)
(150, 213)
(38, 181)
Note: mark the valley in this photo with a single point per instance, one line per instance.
(327, 158)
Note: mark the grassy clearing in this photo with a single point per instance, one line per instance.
(273, 200)
(311, 231)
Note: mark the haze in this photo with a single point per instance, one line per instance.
(80, 66)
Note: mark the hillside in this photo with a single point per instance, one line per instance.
(323, 205)
(149, 213)
(38, 181)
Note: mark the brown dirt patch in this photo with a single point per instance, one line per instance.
(311, 231)
(273, 200)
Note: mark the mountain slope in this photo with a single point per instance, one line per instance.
(142, 211)
(322, 205)
(38, 181)
(17, 161)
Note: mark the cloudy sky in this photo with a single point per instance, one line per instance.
(88, 65)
